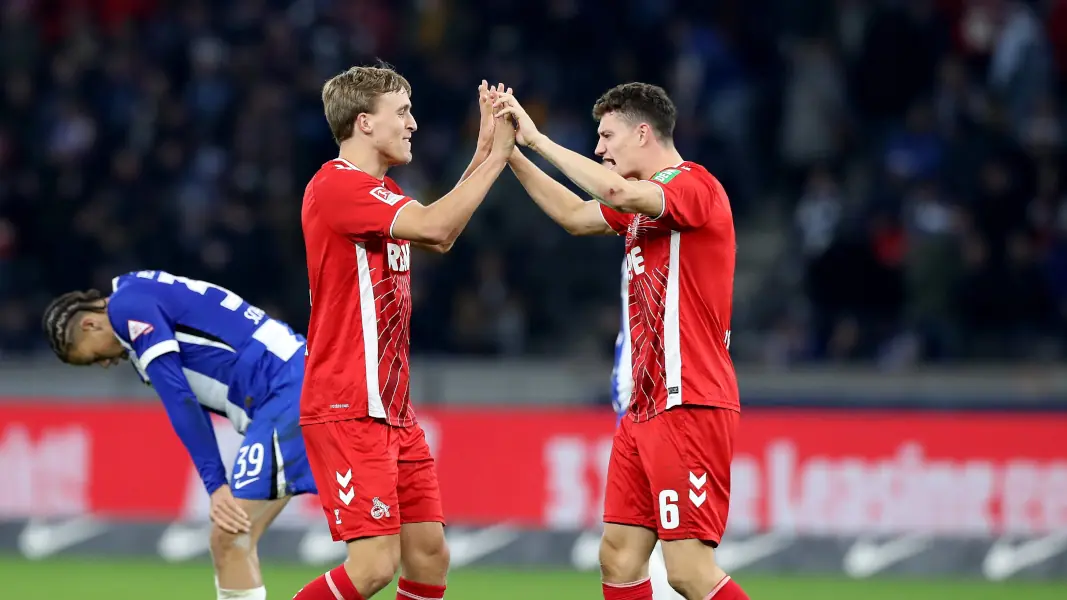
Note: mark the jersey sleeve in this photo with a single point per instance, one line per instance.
(357, 205)
(139, 322)
(190, 420)
(688, 201)
(618, 221)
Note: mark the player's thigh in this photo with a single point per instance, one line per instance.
(687, 453)
(628, 497)
(262, 513)
(418, 488)
(354, 464)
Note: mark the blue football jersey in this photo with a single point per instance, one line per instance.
(622, 377)
(228, 348)
(204, 349)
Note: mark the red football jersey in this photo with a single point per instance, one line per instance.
(358, 356)
(680, 269)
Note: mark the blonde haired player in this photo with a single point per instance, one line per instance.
(376, 477)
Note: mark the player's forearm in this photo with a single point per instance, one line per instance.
(558, 202)
(453, 211)
(481, 153)
(596, 179)
(191, 423)
(480, 156)
(193, 426)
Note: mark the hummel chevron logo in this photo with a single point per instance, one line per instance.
(342, 480)
(697, 482)
(345, 493)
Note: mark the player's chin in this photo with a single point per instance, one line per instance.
(402, 158)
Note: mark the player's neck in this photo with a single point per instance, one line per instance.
(665, 158)
(366, 158)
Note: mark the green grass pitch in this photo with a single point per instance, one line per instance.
(113, 579)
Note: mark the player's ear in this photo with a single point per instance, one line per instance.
(90, 322)
(363, 124)
(644, 134)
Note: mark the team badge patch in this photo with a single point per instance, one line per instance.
(386, 196)
(137, 329)
(665, 176)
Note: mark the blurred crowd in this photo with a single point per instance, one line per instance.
(926, 145)
(909, 150)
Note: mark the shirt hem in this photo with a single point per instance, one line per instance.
(316, 420)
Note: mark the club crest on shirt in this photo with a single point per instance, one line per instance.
(137, 329)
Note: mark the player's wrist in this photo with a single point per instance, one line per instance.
(498, 158)
(536, 141)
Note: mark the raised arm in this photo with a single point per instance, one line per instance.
(609, 188)
(481, 152)
(441, 222)
(577, 216)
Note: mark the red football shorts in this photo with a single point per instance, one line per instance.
(671, 473)
(372, 477)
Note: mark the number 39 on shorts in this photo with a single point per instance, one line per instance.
(249, 461)
(668, 509)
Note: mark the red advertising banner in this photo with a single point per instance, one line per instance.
(804, 471)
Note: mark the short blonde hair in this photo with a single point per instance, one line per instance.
(346, 95)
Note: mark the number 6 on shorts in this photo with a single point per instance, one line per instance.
(668, 509)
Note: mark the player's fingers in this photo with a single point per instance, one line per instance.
(223, 522)
(242, 516)
(236, 515)
(509, 92)
(235, 524)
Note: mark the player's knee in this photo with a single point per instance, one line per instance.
(228, 546)
(619, 561)
(691, 567)
(426, 560)
(372, 564)
(378, 575)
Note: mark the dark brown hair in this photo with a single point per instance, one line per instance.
(640, 102)
(61, 312)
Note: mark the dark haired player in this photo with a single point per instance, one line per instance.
(669, 473)
(205, 350)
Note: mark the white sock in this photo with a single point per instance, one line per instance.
(259, 593)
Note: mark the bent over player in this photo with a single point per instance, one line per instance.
(669, 472)
(377, 481)
(205, 350)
